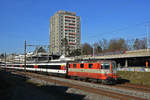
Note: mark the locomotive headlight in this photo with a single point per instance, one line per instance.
(106, 72)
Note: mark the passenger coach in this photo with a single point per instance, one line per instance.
(58, 68)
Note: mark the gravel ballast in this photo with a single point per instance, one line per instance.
(87, 95)
(107, 88)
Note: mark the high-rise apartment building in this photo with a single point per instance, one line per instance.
(64, 27)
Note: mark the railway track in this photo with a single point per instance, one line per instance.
(86, 88)
(134, 87)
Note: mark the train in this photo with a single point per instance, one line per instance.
(101, 71)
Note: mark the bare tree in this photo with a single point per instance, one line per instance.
(75, 52)
(140, 44)
(122, 45)
(103, 44)
(97, 48)
(65, 46)
(87, 49)
(136, 44)
(117, 45)
(130, 43)
(143, 43)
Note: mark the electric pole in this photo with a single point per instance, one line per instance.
(25, 45)
(5, 59)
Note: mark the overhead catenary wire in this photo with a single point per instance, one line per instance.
(132, 36)
(119, 30)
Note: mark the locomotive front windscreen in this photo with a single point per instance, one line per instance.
(105, 66)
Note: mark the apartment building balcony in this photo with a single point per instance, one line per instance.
(72, 33)
(72, 17)
(72, 43)
(70, 26)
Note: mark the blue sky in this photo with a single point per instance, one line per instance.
(29, 20)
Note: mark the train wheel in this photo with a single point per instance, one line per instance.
(104, 82)
(86, 79)
(99, 81)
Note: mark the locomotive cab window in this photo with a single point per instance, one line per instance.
(81, 65)
(102, 66)
(90, 65)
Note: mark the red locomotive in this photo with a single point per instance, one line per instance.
(101, 71)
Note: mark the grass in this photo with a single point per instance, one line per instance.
(141, 78)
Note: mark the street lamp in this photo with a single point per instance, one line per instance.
(147, 31)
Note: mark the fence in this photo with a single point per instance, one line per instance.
(134, 69)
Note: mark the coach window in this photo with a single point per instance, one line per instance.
(90, 65)
(81, 65)
(74, 65)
